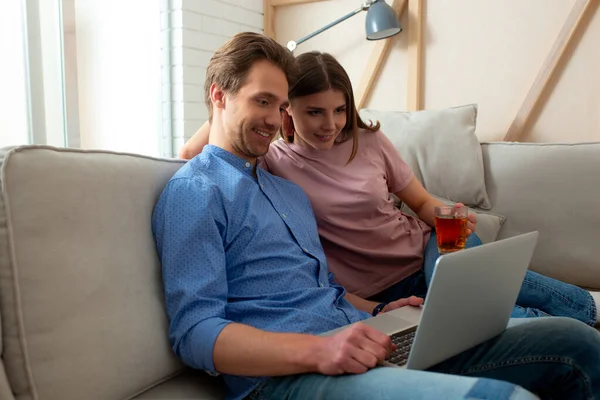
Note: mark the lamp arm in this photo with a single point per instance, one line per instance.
(330, 25)
(365, 6)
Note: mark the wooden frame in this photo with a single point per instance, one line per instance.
(269, 7)
(415, 50)
(414, 82)
(278, 3)
(269, 18)
(379, 53)
(547, 70)
(375, 62)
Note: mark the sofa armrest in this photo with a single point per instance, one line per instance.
(554, 189)
(5, 390)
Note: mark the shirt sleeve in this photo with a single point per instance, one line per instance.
(397, 171)
(188, 227)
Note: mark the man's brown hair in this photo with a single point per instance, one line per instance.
(229, 66)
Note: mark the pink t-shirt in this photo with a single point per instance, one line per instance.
(370, 244)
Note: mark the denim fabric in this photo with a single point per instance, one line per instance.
(554, 358)
(539, 296)
(414, 285)
(432, 253)
(386, 384)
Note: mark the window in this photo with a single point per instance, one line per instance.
(81, 73)
(14, 109)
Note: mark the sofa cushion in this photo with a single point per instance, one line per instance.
(191, 385)
(554, 189)
(441, 148)
(80, 287)
(5, 392)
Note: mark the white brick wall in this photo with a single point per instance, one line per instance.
(194, 29)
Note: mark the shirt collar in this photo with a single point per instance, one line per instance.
(230, 158)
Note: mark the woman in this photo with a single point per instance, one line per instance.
(348, 168)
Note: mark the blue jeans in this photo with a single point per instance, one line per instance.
(539, 296)
(555, 358)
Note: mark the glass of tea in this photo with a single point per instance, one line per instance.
(451, 228)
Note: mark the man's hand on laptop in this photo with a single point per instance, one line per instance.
(410, 301)
(354, 350)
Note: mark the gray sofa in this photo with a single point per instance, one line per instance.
(81, 300)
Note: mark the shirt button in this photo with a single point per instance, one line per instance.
(262, 186)
(284, 216)
(320, 284)
(305, 249)
(248, 165)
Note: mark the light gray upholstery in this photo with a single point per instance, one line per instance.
(434, 141)
(190, 385)
(553, 188)
(81, 300)
(80, 289)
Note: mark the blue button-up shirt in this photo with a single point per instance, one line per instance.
(235, 248)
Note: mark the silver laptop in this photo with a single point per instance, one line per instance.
(470, 300)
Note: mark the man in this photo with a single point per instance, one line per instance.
(248, 288)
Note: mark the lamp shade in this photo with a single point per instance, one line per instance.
(381, 21)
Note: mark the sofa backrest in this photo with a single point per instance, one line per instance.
(81, 304)
(555, 189)
(80, 291)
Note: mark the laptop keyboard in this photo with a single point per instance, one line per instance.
(403, 340)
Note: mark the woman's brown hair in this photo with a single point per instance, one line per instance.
(320, 72)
